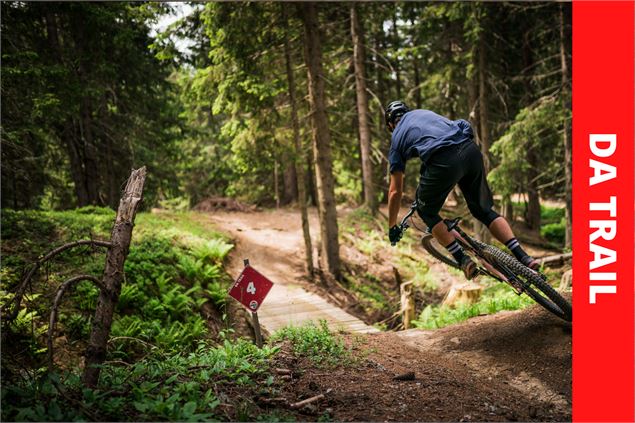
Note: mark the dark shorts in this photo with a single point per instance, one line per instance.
(458, 164)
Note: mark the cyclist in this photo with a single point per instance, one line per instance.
(448, 156)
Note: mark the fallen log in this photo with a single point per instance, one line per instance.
(556, 260)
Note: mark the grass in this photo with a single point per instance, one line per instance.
(315, 342)
(496, 297)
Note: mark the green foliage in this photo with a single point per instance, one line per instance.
(554, 232)
(174, 387)
(551, 214)
(535, 132)
(84, 100)
(495, 298)
(160, 298)
(317, 343)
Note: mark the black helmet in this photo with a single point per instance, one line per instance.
(395, 109)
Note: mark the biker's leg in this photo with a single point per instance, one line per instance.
(503, 232)
(480, 202)
(438, 178)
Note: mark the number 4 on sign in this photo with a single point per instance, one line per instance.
(251, 288)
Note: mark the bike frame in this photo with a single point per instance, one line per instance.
(503, 275)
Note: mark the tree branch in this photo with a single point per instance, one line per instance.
(56, 303)
(19, 293)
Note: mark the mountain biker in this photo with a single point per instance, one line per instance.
(448, 156)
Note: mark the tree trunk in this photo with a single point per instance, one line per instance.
(298, 162)
(91, 169)
(290, 181)
(566, 138)
(533, 203)
(533, 198)
(69, 136)
(417, 81)
(321, 140)
(113, 276)
(482, 101)
(359, 60)
(276, 189)
(67, 132)
(415, 68)
(482, 230)
(508, 209)
(396, 43)
(381, 124)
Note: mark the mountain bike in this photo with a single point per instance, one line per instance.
(496, 264)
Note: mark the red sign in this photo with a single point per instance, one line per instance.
(251, 288)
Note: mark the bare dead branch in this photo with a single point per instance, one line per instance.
(20, 290)
(309, 400)
(56, 303)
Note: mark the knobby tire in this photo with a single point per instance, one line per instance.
(552, 300)
(533, 282)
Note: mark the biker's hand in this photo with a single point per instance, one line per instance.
(394, 234)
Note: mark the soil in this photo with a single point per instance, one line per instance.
(511, 366)
(508, 367)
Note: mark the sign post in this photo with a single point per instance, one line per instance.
(254, 318)
(250, 289)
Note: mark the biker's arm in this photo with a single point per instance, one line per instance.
(395, 193)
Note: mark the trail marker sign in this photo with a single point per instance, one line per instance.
(251, 288)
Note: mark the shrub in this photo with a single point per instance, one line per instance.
(554, 232)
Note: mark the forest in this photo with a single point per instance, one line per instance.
(267, 117)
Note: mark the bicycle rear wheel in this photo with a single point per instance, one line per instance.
(535, 287)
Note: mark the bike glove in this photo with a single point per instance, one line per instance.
(394, 234)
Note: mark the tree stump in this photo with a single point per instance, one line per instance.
(463, 293)
(566, 283)
(113, 275)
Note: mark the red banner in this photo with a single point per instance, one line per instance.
(603, 315)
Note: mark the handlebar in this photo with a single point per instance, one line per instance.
(404, 222)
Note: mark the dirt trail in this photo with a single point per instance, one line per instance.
(272, 241)
(508, 366)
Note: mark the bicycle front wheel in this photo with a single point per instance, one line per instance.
(535, 287)
(431, 245)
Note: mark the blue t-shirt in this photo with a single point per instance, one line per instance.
(419, 133)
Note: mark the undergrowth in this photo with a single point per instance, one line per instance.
(315, 342)
(173, 387)
(173, 268)
(496, 297)
(368, 235)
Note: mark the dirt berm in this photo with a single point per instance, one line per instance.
(512, 366)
